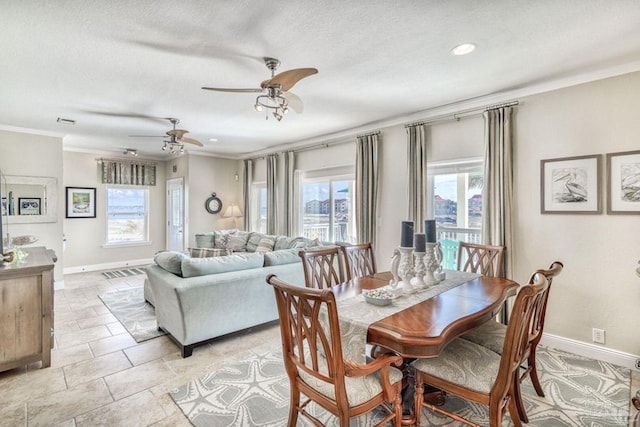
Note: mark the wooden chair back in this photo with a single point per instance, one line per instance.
(312, 352)
(483, 259)
(450, 250)
(537, 326)
(323, 268)
(359, 260)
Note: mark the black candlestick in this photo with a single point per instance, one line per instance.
(430, 230)
(406, 238)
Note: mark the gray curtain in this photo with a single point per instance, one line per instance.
(497, 193)
(128, 172)
(417, 167)
(289, 170)
(272, 193)
(246, 192)
(366, 187)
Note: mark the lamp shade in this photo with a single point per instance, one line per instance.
(232, 212)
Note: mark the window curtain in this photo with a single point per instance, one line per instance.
(366, 187)
(497, 192)
(128, 172)
(246, 192)
(272, 196)
(417, 167)
(289, 179)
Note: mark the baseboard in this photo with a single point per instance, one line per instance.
(590, 350)
(107, 266)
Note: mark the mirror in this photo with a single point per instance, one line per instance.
(29, 199)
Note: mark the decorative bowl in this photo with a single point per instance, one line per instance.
(378, 296)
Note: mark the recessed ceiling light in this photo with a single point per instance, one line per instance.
(463, 49)
(213, 139)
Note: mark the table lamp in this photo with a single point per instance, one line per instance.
(233, 212)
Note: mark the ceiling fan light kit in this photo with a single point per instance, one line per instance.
(274, 97)
(176, 141)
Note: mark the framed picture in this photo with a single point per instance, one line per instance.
(571, 185)
(81, 202)
(29, 206)
(4, 210)
(623, 181)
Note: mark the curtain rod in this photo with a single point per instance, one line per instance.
(131, 161)
(362, 135)
(457, 116)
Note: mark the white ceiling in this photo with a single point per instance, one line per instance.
(118, 67)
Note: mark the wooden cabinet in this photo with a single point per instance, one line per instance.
(26, 310)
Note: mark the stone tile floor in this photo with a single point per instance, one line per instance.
(100, 376)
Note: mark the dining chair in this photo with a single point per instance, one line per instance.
(482, 259)
(473, 372)
(313, 359)
(450, 250)
(359, 260)
(492, 336)
(323, 268)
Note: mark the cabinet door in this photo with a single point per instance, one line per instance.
(20, 318)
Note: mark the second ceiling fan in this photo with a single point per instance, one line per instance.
(275, 97)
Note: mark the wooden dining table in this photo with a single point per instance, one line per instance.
(424, 329)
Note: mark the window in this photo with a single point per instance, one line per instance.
(327, 208)
(259, 208)
(456, 194)
(127, 215)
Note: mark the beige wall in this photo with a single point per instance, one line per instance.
(86, 236)
(39, 156)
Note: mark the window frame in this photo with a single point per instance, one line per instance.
(146, 240)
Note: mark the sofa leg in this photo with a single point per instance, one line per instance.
(187, 350)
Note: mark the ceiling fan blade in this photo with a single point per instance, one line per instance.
(294, 101)
(191, 141)
(222, 89)
(287, 79)
(178, 133)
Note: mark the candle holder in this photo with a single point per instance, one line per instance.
(418, 279)
(405, 270)
(431, 263)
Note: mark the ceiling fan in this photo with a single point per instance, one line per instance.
(275, 96)
(176, 141)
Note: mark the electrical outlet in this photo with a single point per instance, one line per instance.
(637, 363)
(598, 335)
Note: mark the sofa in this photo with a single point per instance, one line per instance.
(219, 286)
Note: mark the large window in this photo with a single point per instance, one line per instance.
(127, 215)
(259, 208)
(327, 208)
(456, 195)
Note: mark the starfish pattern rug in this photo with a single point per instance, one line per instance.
(255, 392)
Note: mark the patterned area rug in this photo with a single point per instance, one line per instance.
(116, 274)
(136, 315)
(255, 392)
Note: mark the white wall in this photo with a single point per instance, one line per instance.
(86, 236)
(39, 156)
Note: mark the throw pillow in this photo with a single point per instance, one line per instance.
(266, 244)
(282, 242)
(170, 261)
(205, 240)
(208, 252)
(254, 240)
(235, 242)
(220, 240)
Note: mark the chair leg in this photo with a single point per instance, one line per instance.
(397, 409)
(513, 412)
(517, 397)
(533, 373)
(294, 403)
(417, 398)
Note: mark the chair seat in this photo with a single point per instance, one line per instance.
(359, 389)
(489, 335)
(463, 362)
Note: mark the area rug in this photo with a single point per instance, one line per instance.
(255, 392)
(136, 315)
(116, 274)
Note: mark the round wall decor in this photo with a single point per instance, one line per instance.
(213, 205)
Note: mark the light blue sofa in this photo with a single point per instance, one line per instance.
(199, 299)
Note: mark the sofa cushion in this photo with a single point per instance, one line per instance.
(208, 252)
(282, 242)
(205, 240)
(266, 244)
(170, 261)
(284, 256)
(192, 267)
(303, 243)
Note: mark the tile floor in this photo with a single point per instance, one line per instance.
(100, 376)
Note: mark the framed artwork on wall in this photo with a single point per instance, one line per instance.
(623, 182)
(29, 206)
(81, 202)
(571, 185)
